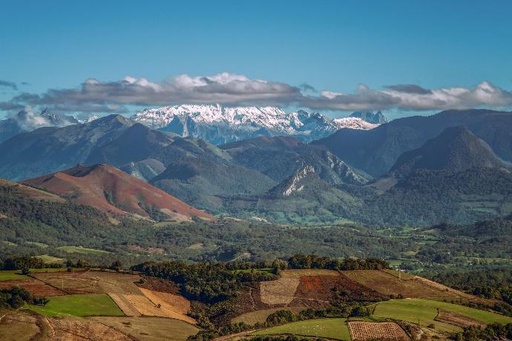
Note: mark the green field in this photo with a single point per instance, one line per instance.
(79, 305)
(79, 249)
(47, 259)
(10, 275)
(41, 245)
(260, 316)
(424, 312)
(332, 328)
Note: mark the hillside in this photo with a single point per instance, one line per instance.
(280, 157)
(110, 190)
(456, 149)
(378, 149)
(51, 149)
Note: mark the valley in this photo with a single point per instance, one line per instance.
(85, 221)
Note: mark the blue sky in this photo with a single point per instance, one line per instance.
(403, 57)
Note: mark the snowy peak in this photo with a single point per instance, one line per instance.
(220, 125)
(353, 123)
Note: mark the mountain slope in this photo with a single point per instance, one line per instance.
(301, 198)
(376, 151)
(219, 125)
(426, 197)
(454, 177)
(280, 157)
(108, 189)
(201, 181)
(456, 149)
(46, 150)
(27, 120)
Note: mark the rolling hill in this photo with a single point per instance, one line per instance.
(110, 190)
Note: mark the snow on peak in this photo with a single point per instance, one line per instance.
(353, 123)
(220, 124)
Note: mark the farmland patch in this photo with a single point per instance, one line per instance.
(392, 286)
(362, 331)
(150, 328)
(79, 305)
(458, 320)
(280, 291)
(35, 287)
(332, 328)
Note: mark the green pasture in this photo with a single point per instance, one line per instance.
(11, 275)
(332, 328)
(424, 311)
(79, 305)
(260, 316)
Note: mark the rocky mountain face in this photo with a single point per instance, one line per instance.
(220, 125)
(370, 117)
(280, 157)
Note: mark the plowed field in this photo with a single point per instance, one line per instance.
(362, 331)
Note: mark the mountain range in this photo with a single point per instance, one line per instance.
(219, 125)
(449, 167)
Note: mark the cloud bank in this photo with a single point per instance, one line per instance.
(94, 96)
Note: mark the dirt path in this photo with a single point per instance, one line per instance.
(231, 336)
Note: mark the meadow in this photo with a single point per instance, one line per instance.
(424, 312)
(332, 328)
(79, 305)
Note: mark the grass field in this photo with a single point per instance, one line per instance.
(333, 328)
(79, 305)
(79, 249)
(151, 328)
(261, 315)
(11, 275)
(424, 312)
(47, 259)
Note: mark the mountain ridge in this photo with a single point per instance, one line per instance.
(220, 125)
(110, 190)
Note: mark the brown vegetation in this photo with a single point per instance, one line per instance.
(458, 320)
(110, 190)
(392, 286)
(36, 287)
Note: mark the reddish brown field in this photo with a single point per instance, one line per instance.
(320, 291)
(36, 287)
(301, 289)
(361, 331)
(458, 320)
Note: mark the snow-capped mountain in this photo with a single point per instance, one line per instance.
(353, 123)
(220, 125)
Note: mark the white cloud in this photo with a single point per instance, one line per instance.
(231, 89)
